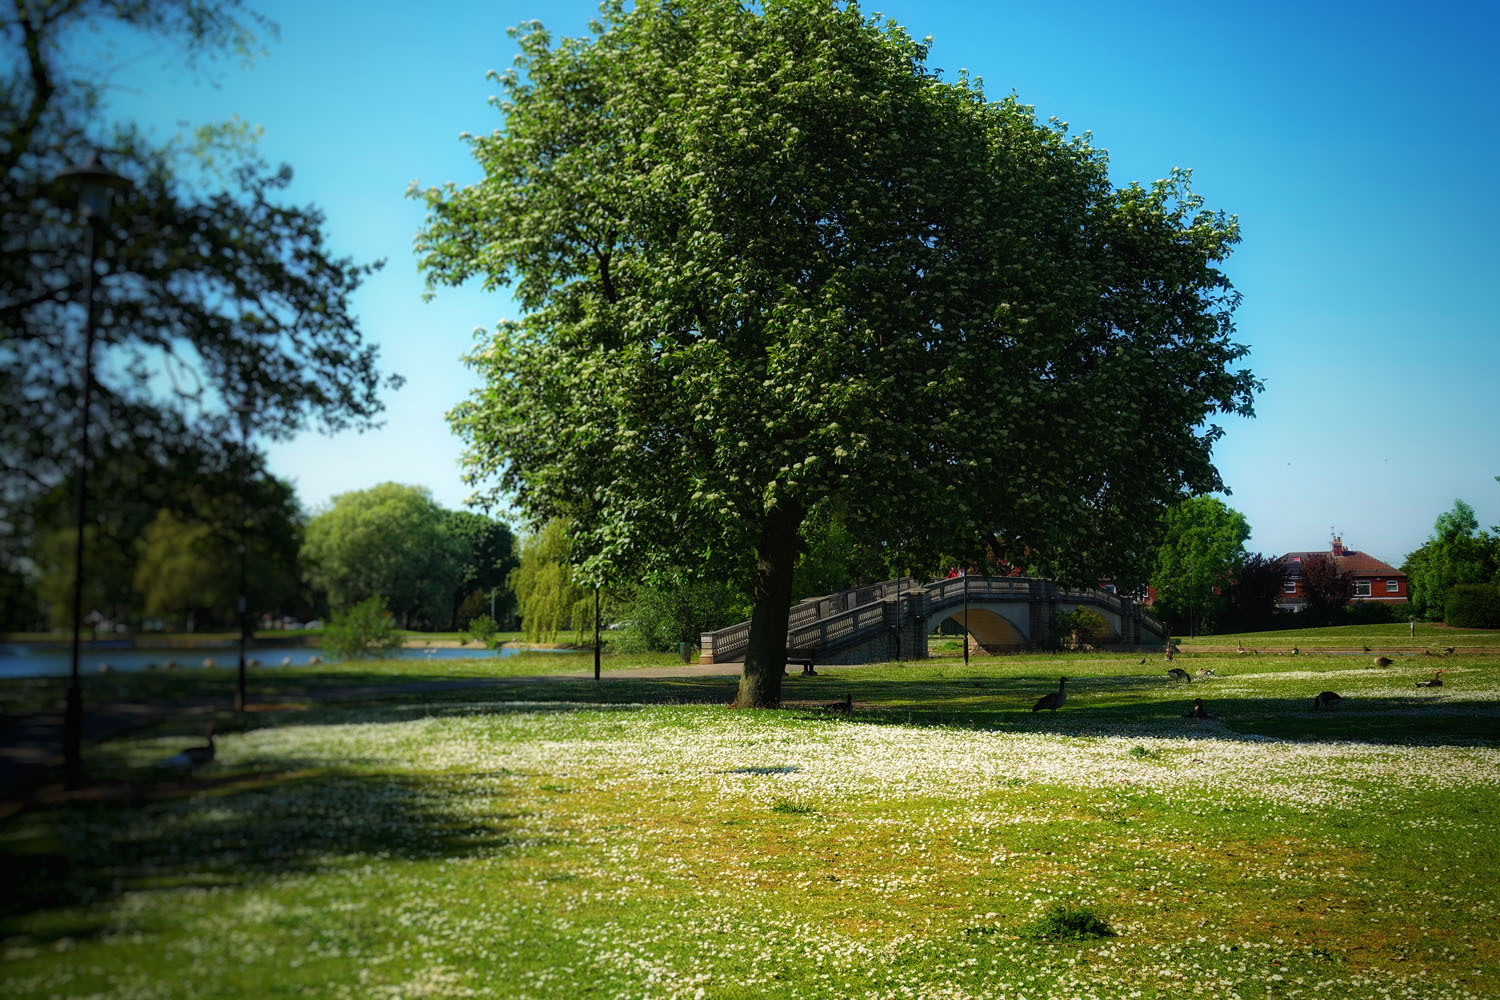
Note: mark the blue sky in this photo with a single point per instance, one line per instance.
(1357, 143)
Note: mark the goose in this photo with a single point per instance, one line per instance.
(1383, 661)
(1296, 651)
(1239, 646)
(193, 757)
(1198, 711)
(1447, 650)
(1203, 672)
(1327, 699)
(1435, 682)
(1054, 699)
(1178, 674)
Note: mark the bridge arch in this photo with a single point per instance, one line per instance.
(996, 627)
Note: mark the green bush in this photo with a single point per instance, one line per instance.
(483, 630)
(1375, 613)
(361, 632)
(660, 617)
(1472, 605)
(1082, 627)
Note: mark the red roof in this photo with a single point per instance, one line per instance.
(1351, 562)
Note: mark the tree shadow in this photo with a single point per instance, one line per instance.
(277, 817)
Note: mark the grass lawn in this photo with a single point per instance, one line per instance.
(1433, 636)
(270, 682)
(634, 838)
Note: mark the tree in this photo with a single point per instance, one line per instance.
(1254, 591)
(766, 259)
(388, 541)
(1327, 587)
(486, 551)
(1456, 552)
(209, 289)
(1200, 554)
(188, 566)
(546, 593)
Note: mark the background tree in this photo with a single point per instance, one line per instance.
(1456, 552)
(209, 288)
(548, 597)
(1327, 588)
(487, 554)
(1202, 550)
(766, 259)
(1253, 593)
(388, 541)
(187, 568)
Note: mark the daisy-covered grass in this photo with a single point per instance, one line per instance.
(568, 839)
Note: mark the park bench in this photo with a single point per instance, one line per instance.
(803, 657)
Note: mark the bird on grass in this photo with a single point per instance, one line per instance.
(1327, 699)
(1436, 680)
(1143, 661)
(1447, 650)
(1053, 700)
(1296, 651)
(1383, 661)
(1203, 672)
(189, 760)
(1198, 711)
(1178, 674)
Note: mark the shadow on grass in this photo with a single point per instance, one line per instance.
(222, 831)
(1097, 706)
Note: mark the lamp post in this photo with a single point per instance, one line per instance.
(95, 185)
(244, 411)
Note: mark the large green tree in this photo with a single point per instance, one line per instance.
(766, 258)
(389, 541)
(1200, 556)
(211, 290)
(1456, 552)
(487, 554)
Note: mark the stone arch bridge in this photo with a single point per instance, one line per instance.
(892, 620)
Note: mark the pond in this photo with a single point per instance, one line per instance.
(37, 659)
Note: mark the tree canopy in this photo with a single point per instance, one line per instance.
(389, 541)
(767, 259)
(1457, 552)
(1199, 558)
(210, 290)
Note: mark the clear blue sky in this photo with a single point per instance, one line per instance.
(1357, 143)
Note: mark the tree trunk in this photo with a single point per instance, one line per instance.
(765, 656)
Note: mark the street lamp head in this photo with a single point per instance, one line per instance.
(95, 185)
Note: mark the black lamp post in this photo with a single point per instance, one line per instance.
(244, 410)
(95, 185)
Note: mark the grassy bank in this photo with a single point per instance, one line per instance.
(566, 839)
(273, 682)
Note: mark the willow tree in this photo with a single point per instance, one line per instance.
(765, 260)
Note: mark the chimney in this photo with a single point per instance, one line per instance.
(1338, 545)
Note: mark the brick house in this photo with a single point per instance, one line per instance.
(1374, 580)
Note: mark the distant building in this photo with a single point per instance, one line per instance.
(1373, 580)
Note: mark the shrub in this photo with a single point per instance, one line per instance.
(1081, 627)
(1069, 923)
(1472, 605)
(483, 630)
(363, 631)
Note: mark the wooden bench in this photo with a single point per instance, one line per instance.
(803, 657)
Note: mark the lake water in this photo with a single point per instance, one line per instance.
(34, 659)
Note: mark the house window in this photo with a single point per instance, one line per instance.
(1290, 587)
(1392, 586)
(1361, 588)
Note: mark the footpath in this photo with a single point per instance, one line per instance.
(31, 743)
